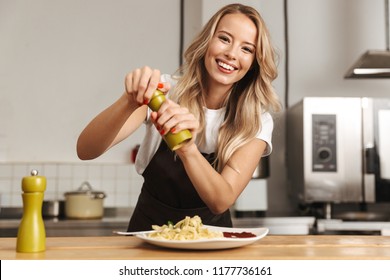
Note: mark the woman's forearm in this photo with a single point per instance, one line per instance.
(108, 128)
(214, 190)
(220, 190)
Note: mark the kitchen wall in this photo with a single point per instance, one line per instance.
(326, 38)
(119, 181)
(64, 61)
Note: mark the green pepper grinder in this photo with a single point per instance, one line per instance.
(31, 234)
(173, 140)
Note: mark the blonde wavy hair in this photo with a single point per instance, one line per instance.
(248, 98)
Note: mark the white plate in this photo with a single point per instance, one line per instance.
(209, 244)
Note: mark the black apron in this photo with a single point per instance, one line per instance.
(168, 195)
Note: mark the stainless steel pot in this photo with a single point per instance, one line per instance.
(85, 203)
(53, 208)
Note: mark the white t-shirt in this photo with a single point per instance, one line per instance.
(213, 120)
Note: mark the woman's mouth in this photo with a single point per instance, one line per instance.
(226, 66)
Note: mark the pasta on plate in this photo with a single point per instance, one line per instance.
(186, 229)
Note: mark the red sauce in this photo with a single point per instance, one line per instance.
(243, 234)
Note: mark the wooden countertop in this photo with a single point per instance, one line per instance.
(271, 247)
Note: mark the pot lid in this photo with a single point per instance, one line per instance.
(85, 188)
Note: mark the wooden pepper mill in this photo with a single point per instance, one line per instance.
(173, 140)
(31, 233)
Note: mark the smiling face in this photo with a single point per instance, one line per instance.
(231, 50)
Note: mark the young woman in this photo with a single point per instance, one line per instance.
(224, 96)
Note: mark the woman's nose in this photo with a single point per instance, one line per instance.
(231, 52)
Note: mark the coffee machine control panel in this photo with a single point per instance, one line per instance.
(324, 143)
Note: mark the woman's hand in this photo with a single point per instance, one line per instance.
(141, 83)
(173, 118)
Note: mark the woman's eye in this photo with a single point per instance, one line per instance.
(248, 49)
(224, 39)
